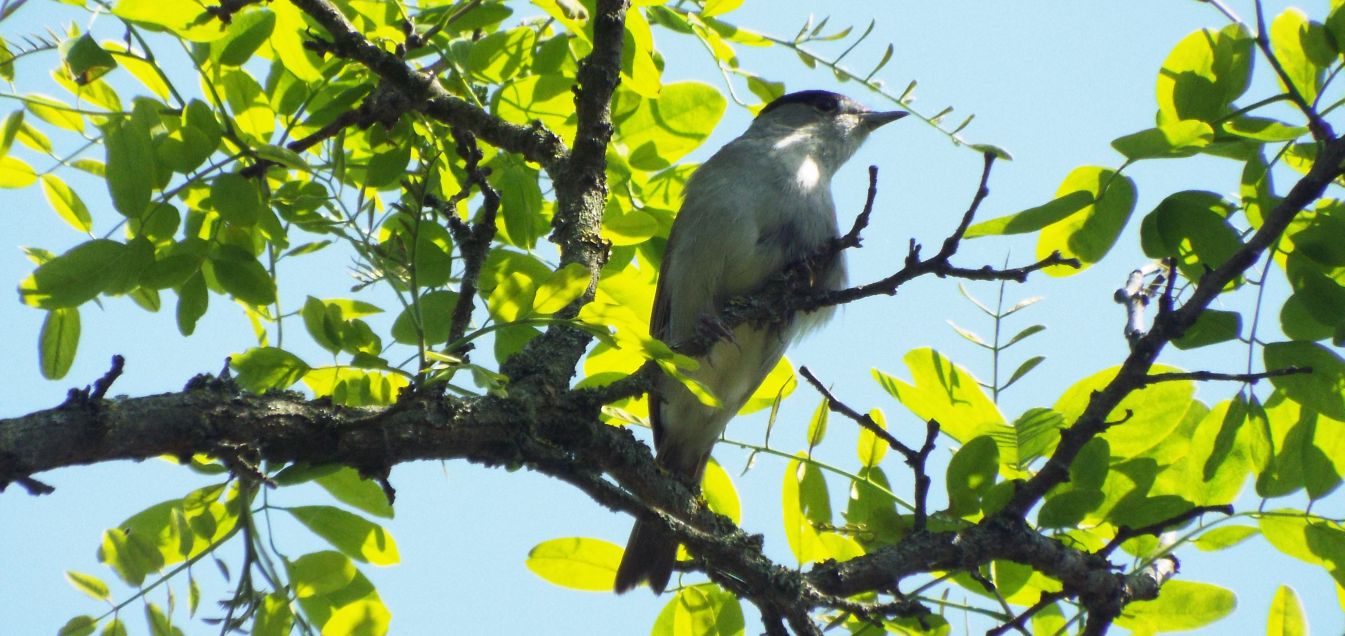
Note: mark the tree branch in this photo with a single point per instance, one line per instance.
(423, 92)
(1172, 324)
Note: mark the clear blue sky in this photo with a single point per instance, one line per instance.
(1051, 81)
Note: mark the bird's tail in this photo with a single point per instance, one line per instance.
(649, 556)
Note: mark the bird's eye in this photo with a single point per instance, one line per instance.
(827, 105)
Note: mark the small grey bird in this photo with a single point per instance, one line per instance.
(758, 205)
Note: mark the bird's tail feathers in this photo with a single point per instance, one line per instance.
(649, 556)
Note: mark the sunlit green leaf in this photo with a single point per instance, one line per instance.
(1323, 389)
(353, 535)
(944, 392)
(58, 342)
(1204, 73)
(66, 203)
(578, 563)
(701, 610)
(263, 369)
(74, 277)
(1177, 139)
(1285, 617)
(1180, 605)
(88, 584)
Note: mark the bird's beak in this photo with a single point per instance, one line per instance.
(874, 119)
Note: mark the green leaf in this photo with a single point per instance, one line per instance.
(1035, 433)
(242, 276)
(1180, 605)
(511, 299)
(521, 201)
(353, 535)
(54, 112)
(719, 493)
(346, 485)
(1204, 73)
(85, 60)
(88, 584)
(546, 98)
(805, 503)
(274, 616)
(1322, 390)
(498, 57)
(364, 617)
(701, 610)
(661, 131)
(1154, 411)
(944, 392)
(237, 199)
(1290, 34)
(183, 18)
(247, 31)
(1224, 537)
(16, 173)
(9, 129)
(130, 165)
(387, 166)
(263, 369)
(561, 288)
(321, 573)
(1286, 614)
(872, 449)
(1263, 129)
(817, 425)
(719, 7)
(58, 342)
(322, 325)
(1089, 233)
(66, 203)
(1319, 543)
(1033, 219)
(192, 301)
(436, 311)
(1023, 369)
(79, 626)
(971, 473)
(1192, 227)
(578, 563)
(75, 277)
(1211, 327)
(1177, 139)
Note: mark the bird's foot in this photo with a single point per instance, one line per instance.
(712, 327)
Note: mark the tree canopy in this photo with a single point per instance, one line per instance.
(440, 224)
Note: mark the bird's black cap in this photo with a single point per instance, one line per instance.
(821, 100)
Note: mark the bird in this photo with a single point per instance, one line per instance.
(757, 206)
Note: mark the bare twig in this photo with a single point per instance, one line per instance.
(1126, 533)
(1204, 376)
(851, 238)
(863, 419)
(474, 242)
(1321, 131)
(1019, 622)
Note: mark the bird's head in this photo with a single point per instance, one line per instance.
(822, 124)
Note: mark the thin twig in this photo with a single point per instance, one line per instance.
(1126, 533)
(863, 419)
(1205, 376)
(851, 238)
(1321, 131)
(104, 383)
(1019, 622)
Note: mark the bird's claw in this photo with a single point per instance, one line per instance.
(711, 326)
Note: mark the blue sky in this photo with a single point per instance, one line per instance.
(1051, 81)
